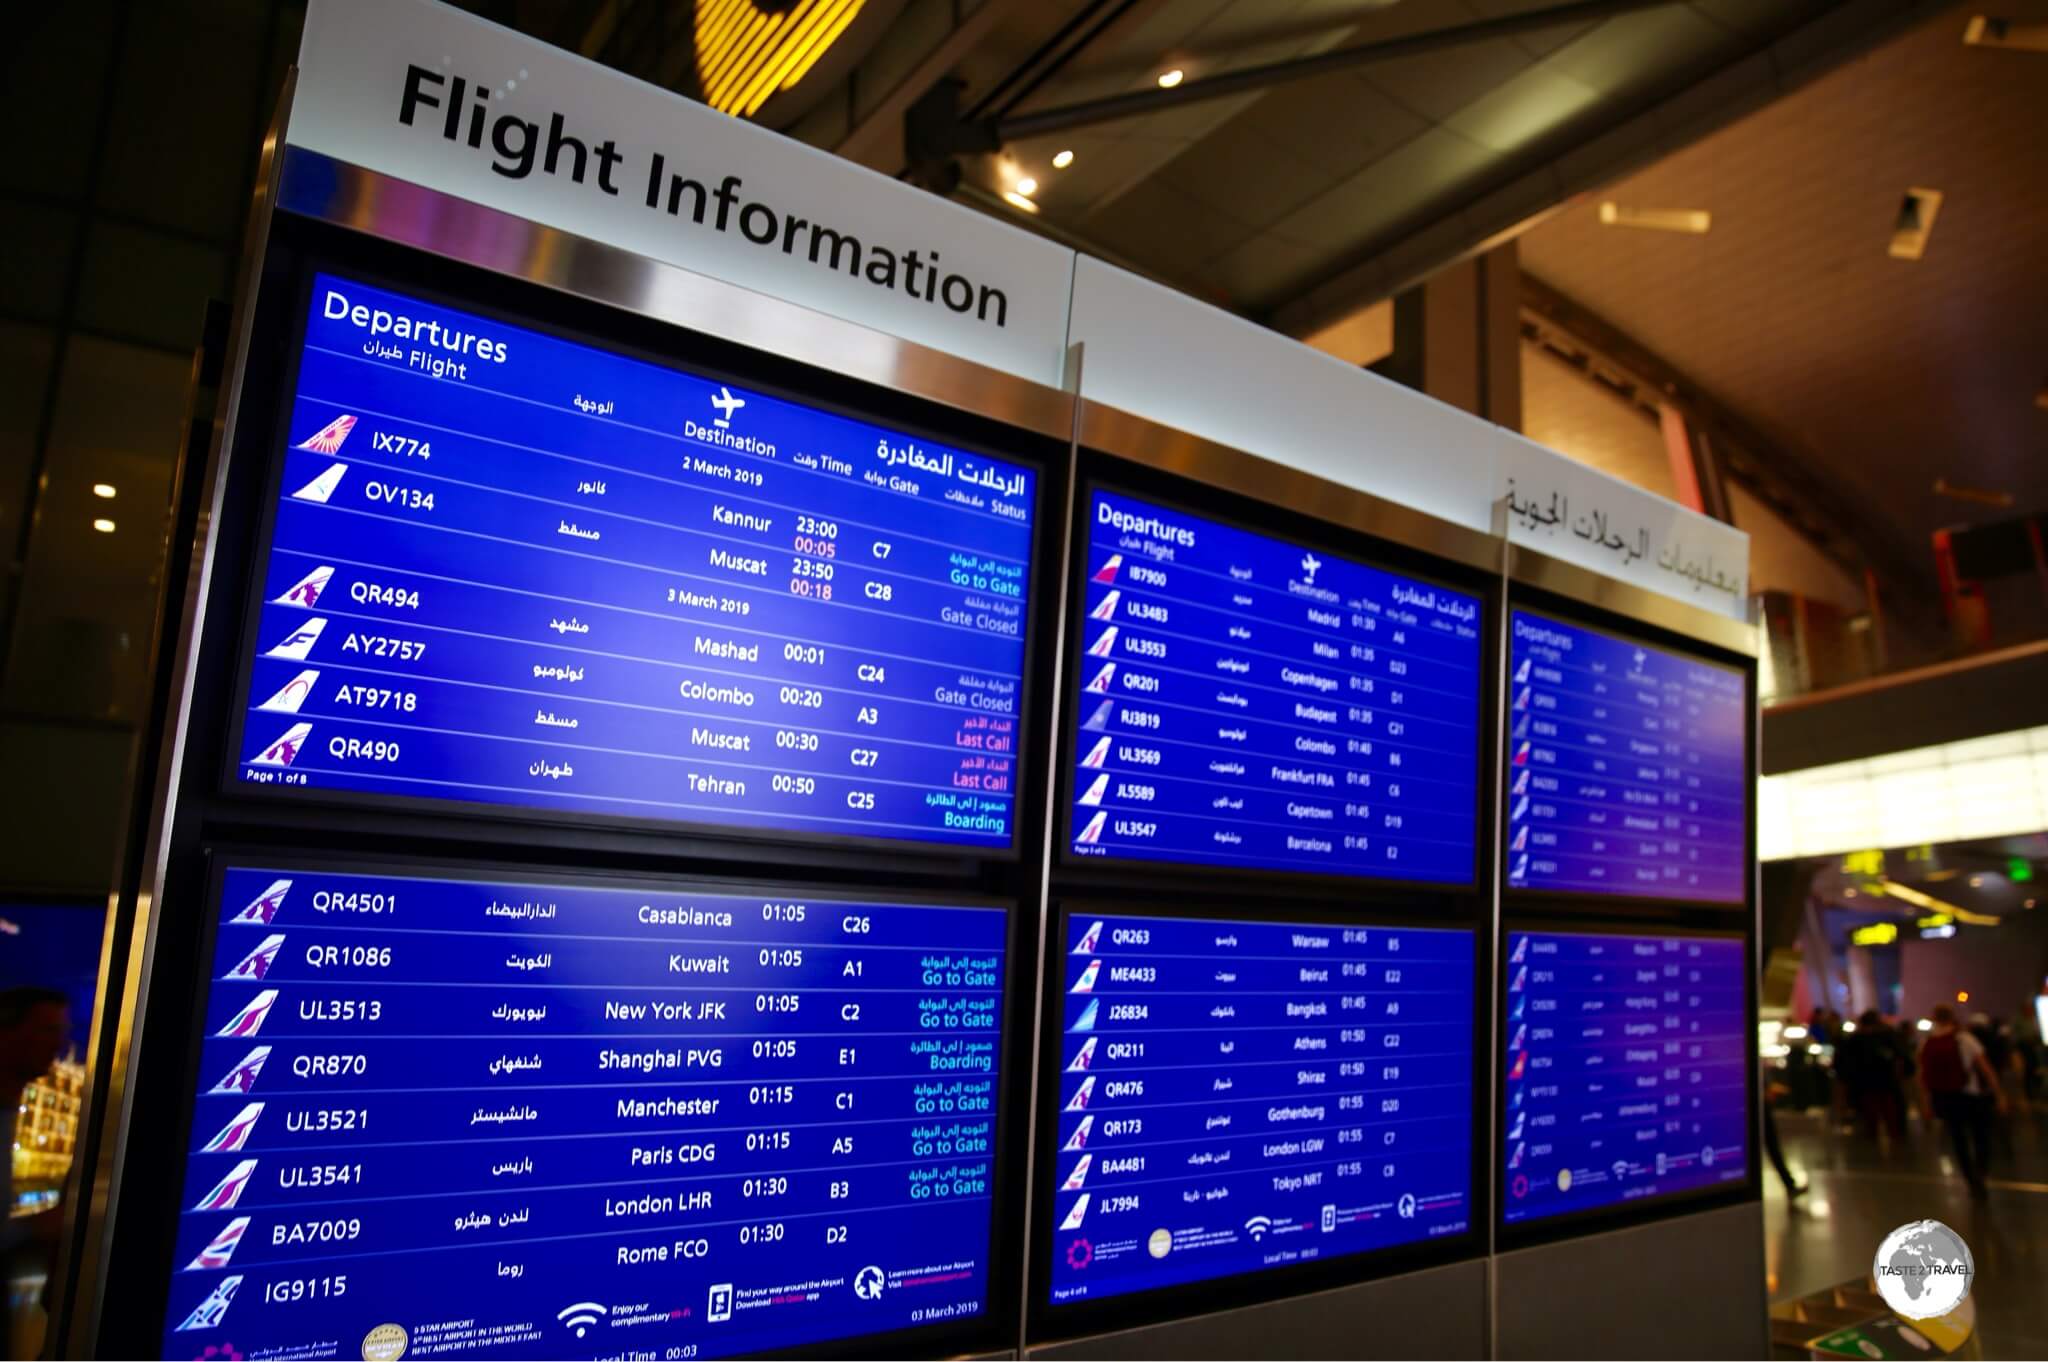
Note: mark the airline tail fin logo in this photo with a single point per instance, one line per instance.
(242, 1078)
(1079, 1139)
(1515, 1159)
(1102, 645)
(1523, 697)
(1520, 871)
(1522, 754)
(1079, 1101)
(1099, 720)
(1087, 1022)
(300, 641)
(1075, 1216)
(1521, 1064)
(1079, 1175)
(1522, 728)
(1092, 834)
(1520, 981)
(229, 1189)
(1097, 754)
(249, 1020)
(1106, 574)
(257, 963)
(1521, 952)
(217, 1253)
(1086, 983)
(286, 749)
(328, 439)
(235, 1133)
(1521, 1036)
(1089, 938)
(263, 908)
(322, 487)
(1084, 1058)
(1522, 672)
(214, 1308)
(1515, 1130)
(1521, 842)
(1515, 814)
(292, 694)
(1107, 609)
(1092, 796)
(1100, 685)
(306, 591)
(1522, 783)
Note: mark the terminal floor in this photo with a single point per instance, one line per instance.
(1861, 1192)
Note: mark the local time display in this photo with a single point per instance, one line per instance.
(1627, 1069)
(1238, 1096)
(1253, 703)
(505, 568)
(1626, 767)
(503, 1119)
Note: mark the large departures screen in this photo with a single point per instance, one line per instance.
(505, 568)
(1238, 1096)
(1627, 767)
(495, 1118)
(1255, 703)
(1627, 1070)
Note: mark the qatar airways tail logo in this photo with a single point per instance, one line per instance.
(242, 1078)
(328, 439)
(1106, 574)
(1089, 938)
(1079, 1139)
(292, 694)
(235, 1133)
(319, 489)
(1084, 1058)
(223, 1246)
(214, 1308)
(229, 1189)
(1079, 1101)
(1100, 685)
(249, 1020)
(300, 641)
(286, 749)
(1107, 609)
(727, 404)
(257, 963)
(263, 908)
(306, 591)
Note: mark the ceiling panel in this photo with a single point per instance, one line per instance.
(1378, 197)
(1438, 84)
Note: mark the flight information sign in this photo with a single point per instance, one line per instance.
(1248, 702)
(506, 568)
(1238, 1096)
(496, 1119)
(1626, 767)
(1628, 1069)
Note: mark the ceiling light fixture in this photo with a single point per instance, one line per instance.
(1027, 186)
(1016, 200)
(1169, 79)
(103, 525)
(1062, 159)
(103, 490)
(1986, 31)
(1695, 221)
(1915, 223)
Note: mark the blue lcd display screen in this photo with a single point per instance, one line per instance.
(1627, 1070)
(1238, 1096)
(1626, 767)
(1248, 702)
(507, 1119)
(510, 569)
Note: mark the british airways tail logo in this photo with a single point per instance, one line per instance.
(306, 591)
(727, 404)
(1106, 574)
(257, 963)
(249, 1020)
(328, 439)
(322, 487)
(214, 1308)
(1079, 1138)
(263, 908)
(1079, 1175)
(223, 1246)
(300, 641)
(229, 1189)
(1093, 794)
(235, 1133)
(286, 749)
(291, 694)
(242, 1078)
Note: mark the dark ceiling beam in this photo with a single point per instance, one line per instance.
(1781, 478)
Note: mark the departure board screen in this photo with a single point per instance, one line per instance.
(1238, 1096)
(505, 1119)
(1248, 702)
(1626, 767)
(1628, 1069)
(510, 569)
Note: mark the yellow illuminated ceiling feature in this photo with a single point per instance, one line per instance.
(746, 54)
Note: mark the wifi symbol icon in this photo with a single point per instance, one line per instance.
(581, 1316)
(1257, 1227)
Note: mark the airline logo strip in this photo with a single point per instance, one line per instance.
(1229, 1086)
(580, 1095)
(1259, 705)
(546, 575)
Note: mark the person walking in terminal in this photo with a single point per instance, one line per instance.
(1961, 1089)
(35, 1024)
(1871, 1061)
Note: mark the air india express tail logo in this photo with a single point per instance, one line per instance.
(328, 439)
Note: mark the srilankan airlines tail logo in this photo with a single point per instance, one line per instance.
(217, 1253)
(1089, 938)
(1079, 1139)
(1084, 1058)
(1108, 607)
(214, 1308)
(257, 963)
(1092, 834)
(306, 591)
(1097, 755)
(235, 1133)
(286, 749)
(242, 1078)
(249, 1020)
(1106, 574)
(328, 439)
(300, 641)
(292, 694)
(727, 404)
(263, 908)
(322, 487)
(1093, 794)
(1079, 1175)
(1086, 983)
(1105, 643)
(229, 1189)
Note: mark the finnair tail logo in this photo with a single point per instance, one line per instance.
(1087, 1022)
(1092, 834)
(214, 1308)
(1100, 684)
(249, 1020)
(300, 641)
(1106, 574)
(242, 1078)
(229, 1189)
(306, 591)
(235, 1133)
(727, 404)
(328, 439)
(1097, 755)
(1086, 983)
(1084, 1058)
(257, 963)
(1075, 1216)
(1105, 643)
(1099, 720)
(286, 749)
(1089, 938)
(1079, 1175)
(1093, 794)
(217, 1253)
(1079, 1138)
(1310, 564)
(263, 908)
(322, 487)
(1107, 609)
(292, 694)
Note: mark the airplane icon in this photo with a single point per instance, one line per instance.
(727, 404)
(1073, 1220)
(1309, 564)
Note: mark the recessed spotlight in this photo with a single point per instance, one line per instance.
(1062, 159)
(1027, 186)
(103, 525)
(1016, 200)
(1915, 223)
(1169, 79)
(103, 490)
(1696, 221)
